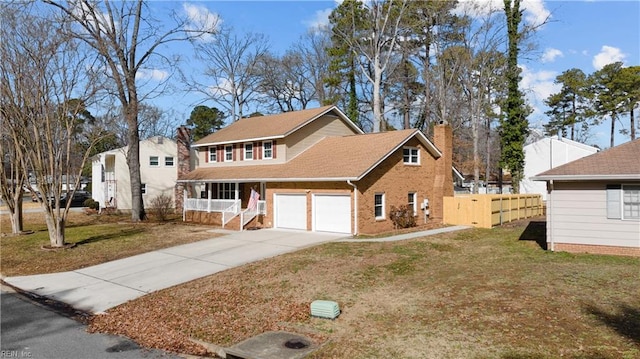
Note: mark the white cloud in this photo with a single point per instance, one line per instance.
(550, 55)
(320, 20)
(535, 13)
(201, 19)
(607, 55)
(537, 86)
(152, 74)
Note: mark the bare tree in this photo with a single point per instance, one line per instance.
(312, 48)
(45, 88)
(231, 65)
(126, 38)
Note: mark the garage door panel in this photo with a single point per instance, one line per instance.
(332, 213)
(291, 211)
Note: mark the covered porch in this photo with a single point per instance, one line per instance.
(227, 204)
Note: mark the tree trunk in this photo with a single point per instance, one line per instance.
(487, 171)
(55, 225)
(377, 113)
(633, 124)
(476, 155)
(17, 225)
(133, 161)
(613, 129)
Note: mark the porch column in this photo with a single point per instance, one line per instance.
(236, 194)
(208, 197)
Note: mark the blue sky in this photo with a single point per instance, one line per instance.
(580, 34)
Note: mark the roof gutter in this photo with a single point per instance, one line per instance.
(240, 180)
(355, 207)
(586, 177)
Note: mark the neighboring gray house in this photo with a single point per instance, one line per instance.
(548, 153)
(593, 203)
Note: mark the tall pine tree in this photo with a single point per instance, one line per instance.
(514, 124)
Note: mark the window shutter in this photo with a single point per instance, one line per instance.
(614, 207)
(233, 152)
(206, 155)
(220, 151)
(257, 151)
(273, 149)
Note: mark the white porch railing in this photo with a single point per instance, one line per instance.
(248, 214)
(208, 205)
(230, 212)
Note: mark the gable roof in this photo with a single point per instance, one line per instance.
(566, 141)
(271, 127)
(332, 158)
(620, 162)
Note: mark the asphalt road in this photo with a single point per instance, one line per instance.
(31, 330)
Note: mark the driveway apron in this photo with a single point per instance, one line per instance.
(98, 288)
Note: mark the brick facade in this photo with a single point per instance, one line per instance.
(595, 249)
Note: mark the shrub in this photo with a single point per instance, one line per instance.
(402, 217)
(161, 206)
(91, 203)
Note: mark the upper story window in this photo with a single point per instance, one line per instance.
(267, 150)
(153, 161)
(213, 154)
(411, 155)
(168, 161)
(378, 206)
(228, 153)
(248, 151)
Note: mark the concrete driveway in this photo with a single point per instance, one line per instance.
(98, 288)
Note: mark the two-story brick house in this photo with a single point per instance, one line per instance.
(315, 170)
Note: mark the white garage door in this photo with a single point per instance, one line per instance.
(332, 213)
(290, 211)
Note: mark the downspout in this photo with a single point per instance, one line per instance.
(549, 216)
(355, 207)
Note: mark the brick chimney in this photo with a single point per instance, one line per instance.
(443, 183)
(183, 140)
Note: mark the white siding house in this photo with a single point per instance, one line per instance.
(158, 170)
(593, 203)
(548, 153)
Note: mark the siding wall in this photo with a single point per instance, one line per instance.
(326, 126)
(577, 214)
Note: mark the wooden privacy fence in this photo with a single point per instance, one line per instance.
(488, 210)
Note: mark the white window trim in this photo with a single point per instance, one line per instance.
(225, 153)
(252, 152)
(173, 161)
(264, 156)
(414, 202)
(213, 155)
(616, 201)
(157, 161)
(411, 148)
(383, 216)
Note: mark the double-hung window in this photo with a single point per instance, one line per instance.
(226, 191)
(248, 151)
(168, 161)
(411, 155)
(378, 205)
(623, 201)
(213, 154)
(143, 188)
(267, 150)
(413, 202)
(228, 153)
(153, 161)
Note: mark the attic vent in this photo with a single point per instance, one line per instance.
(160, 140)
(325, 309)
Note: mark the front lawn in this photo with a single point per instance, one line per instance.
(470, 294)
(98, 239)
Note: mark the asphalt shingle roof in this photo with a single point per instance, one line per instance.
(271, 126)
(347, 157)
(620, 161)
